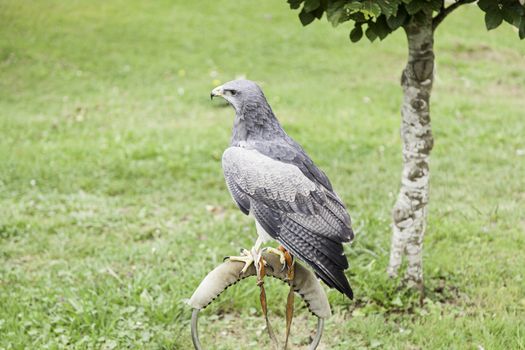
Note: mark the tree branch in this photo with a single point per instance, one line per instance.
(445, 11)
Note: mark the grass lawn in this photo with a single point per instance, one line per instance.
(113, 204)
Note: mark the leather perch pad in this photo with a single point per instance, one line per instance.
(305, 283)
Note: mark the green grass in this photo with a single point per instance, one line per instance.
(110, 160)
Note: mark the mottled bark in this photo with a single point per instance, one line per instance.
(409, 213)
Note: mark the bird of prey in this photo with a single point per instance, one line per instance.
(271, 178)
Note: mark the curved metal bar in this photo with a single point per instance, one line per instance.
(318, 334)
(197, 344)
(195, 330)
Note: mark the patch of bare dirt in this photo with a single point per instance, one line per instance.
(483, 52)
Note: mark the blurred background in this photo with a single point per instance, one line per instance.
(113, 204)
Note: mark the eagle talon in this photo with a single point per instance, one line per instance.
(278, 252)
(249, 257)
(248, 260)
(285, 258)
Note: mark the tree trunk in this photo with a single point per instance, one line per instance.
(409, 213)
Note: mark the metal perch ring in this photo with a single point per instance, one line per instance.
(218, 280)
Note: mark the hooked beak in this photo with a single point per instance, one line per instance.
(218, 91)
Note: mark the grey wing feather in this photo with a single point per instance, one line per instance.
(291, 152)
(238, 195)
(257, 177)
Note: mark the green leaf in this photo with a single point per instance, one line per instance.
(318, 13)
(436, 5)
(388, 7)
(414, 6)
(371, 8)
(335, 12)
(380, 27)
(305, 17)
(397, 21)
(356, 34)
(370, 34)
(310, 5)
(487, 5)
(357, 17)
(508, 15)
(294, 4)
(522, 28)
(512, 13)
(493, 19)
(354, 6)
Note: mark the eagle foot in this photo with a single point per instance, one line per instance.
(249, 257)
(285, 258)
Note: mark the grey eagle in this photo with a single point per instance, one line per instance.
(271, 178)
